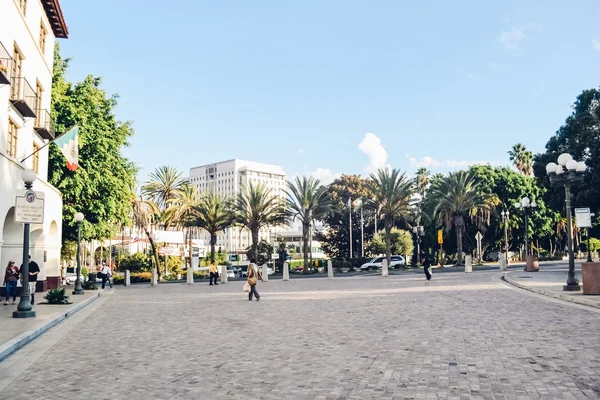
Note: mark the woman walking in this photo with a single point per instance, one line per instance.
(11, 275)
(253, 276)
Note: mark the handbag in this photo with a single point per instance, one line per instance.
(252, 281)
(246, 287)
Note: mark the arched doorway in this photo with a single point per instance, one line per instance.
(12, 241)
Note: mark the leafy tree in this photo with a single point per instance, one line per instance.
(460, 196)
(100, 186)
(522, 159)
(265, 252)
(401, 242)
(144, 214)
(181, 210)
(307, 202)
(256, 207)
(213, 214)
(392, 200)
(335, 238)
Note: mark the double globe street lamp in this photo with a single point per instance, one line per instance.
(525, 204)
(565, 173)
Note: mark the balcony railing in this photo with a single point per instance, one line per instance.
(23, 97)
(5, 61)
(44, 125)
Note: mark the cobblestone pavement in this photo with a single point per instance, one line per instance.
(457, 337)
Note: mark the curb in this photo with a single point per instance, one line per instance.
(564, 297)
(15, 344)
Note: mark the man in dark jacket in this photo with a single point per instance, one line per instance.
(426, 263)
(34, 270)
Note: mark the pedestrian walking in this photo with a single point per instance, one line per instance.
(426, 263)
(214, 272)
(34, 270)
(106, 275)
(253, 276)
(11, 275)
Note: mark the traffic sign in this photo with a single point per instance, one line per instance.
(29, 207)
(583, 218)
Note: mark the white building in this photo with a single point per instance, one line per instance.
(226, 178)
(294, 238)
(27, 33)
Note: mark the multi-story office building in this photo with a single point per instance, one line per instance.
(226, 178)
(28, 30)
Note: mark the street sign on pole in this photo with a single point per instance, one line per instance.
(29, 207)
(583, 218)
(440, 237)
(479, 236)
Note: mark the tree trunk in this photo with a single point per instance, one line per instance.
(154, 252)
(459, 224)
(305, 229)
(254, 247)
(388, 242)
(213, 242)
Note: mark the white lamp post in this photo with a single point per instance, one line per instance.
(78, 289)
(565, 173)
(525, 205)
(505, 218)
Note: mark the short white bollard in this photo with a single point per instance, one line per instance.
(265, 273)
(127, 278)
(384, 268)
(154, 280)
(468, 264)
(223, 273)
(329, 269)
(286, 271)
(190, 276)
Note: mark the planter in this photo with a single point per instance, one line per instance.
(532, 264)
(590, 275)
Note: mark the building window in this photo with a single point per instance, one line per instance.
(43, 34)
(23, 5)
(12, 139)
(36, 158)
(15, 88)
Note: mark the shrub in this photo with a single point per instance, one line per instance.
(84, 271)
(56, 296)
(89, 285)
(118, 279)
(138, 262)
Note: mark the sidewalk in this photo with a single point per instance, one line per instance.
(550, 283)
(17, 332)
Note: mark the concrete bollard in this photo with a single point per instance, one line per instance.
(286, 271)
(384, 268)
(127, 281)
(503, 266)
(154, 280)
(265, 273)
(190, 276)
(329, 269)
(468, 264)
(223, 273)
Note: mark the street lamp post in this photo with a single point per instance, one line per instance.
(566, 173)
(419, 231)
(505, 218)
(78, 288)
(24, 309)
(526, 204)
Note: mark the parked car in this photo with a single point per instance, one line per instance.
(377, 263)
(230, 273)
(71, 278)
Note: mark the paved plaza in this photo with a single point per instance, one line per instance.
(457, 337)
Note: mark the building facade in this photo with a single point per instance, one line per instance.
(226, 178)
(293, 241)
(28, 29)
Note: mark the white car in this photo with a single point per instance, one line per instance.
(230, 274)
(71, 278)
(377, 263)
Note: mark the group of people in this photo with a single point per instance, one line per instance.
(12, 275)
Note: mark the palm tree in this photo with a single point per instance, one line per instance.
(163, 186)
(522, 159)
(422, 181)
(256, 207)
(213, 214)
(307, 202)
(144, 213)
(181, 211)
(392, 198)
(460, 196)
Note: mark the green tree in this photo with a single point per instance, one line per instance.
(99, 187)
(459, 197)
(213, 214)
(392, 193)
(307, 203)
(256, 207)
(401, 243)
(144, 214)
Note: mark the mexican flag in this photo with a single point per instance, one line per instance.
(68, 143)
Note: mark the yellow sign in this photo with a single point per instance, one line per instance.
(440, 237)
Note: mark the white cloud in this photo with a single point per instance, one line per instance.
(372, 147)
(325, 175)
(512, 38)
(430, 162)
(596, 44)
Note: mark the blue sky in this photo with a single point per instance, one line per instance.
(328, 87)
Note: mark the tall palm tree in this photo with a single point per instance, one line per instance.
(307, 202)
(163, 186)
(256, 207)
(392, 192)
(522, 159)
(144, 213)
(460, 196)
(422, 181)
(213, 214)
(181, 211)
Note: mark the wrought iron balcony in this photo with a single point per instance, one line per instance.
(44, 125)
(23, 97)
(5, 61)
